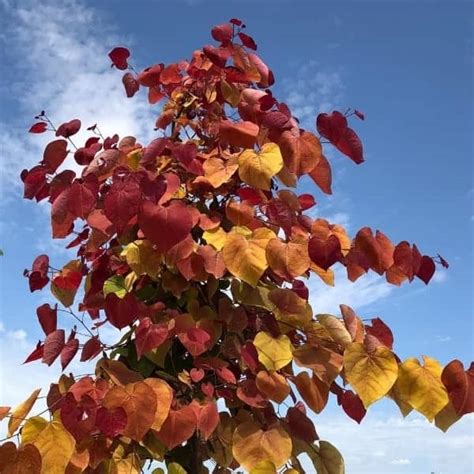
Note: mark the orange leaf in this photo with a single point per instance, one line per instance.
(178, 427)
(139, 402)
(314, 392)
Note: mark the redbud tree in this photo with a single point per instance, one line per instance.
(197, 249)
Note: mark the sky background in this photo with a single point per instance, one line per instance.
(407, 65)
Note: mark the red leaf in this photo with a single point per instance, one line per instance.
(54, 154)
(426, 270)
(195, 340)
(122, 202)
(38, 127)
(68, 129)
(217, 56)
(207, 418)
(253, 196)
(36, 354)
(247, 41)
(300, 289)
(322, 175)
(226, 375)
(38, 277)
(150, 77)
(149, 336)
(170, 75)
(121, 311)
(53, 345)
(47, 317)
(186, 154)
(111, 422)
(380, 331)
(460, 386)
(352, 405)
(69, 351)
(196, 375)
(83, 196)
(300, 425)
(207, 389)
(236, 21)
(306, 201)
(250, 355)
(334, 127)
(35, 182)
(165, 226)
(222, 33)
(324, 253)
(130, 83)
(119, 57)
(91, 349)
(251, 395)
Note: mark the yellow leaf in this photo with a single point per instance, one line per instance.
(164, 397)
(273, 353)
(446, 417)
(257, 169)
(252, 445)
(32, 428)
(143, 258)
(175, 468)
(326, 275)
(245, 258)
(421, 386)
(336, 329)
(264, 467)
(230, 93)
(56, 446)
(19, 413)
(371, 374)
(215, 237)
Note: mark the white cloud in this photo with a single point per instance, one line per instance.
(440, 276)
(18, 335)
(366, 290)
(313, 90)
(390, 444)
(400, 462)
(64, 69)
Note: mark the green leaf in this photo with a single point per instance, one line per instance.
(116, 285)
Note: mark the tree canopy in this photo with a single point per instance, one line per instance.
(197, 249)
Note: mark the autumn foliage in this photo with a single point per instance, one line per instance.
(196, 248)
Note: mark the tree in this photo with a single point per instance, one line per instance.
(196, 249)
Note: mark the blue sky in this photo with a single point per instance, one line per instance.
(407, 65)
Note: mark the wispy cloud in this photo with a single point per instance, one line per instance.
(366, 290)
(64, 69)
(312, 90)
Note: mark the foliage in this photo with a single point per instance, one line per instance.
(195, 248)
